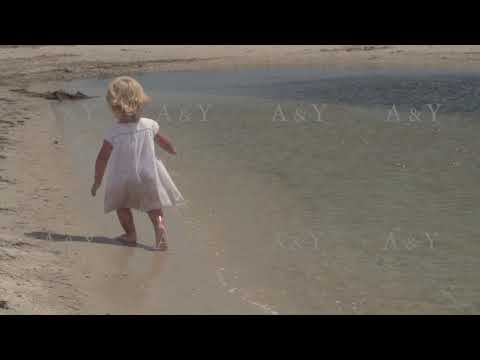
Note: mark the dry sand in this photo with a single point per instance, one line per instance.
(35, 174)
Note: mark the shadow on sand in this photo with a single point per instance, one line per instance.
(52, 236)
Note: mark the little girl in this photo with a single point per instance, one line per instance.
(136, 178)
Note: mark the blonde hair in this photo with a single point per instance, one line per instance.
(126, 96)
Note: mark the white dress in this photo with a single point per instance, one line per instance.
(136, 179)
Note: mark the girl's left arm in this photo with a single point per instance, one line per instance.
(165, 143)
(101, 164)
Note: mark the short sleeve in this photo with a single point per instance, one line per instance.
(108, 136)
(155, 127)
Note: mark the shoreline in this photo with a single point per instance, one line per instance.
(25, 65)
(36, 177)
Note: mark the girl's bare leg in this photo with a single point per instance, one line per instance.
(126, 220)
(158, 221)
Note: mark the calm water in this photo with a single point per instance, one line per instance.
(368, 208)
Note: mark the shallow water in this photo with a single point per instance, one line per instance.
(366, 208)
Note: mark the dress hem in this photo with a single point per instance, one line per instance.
(146, 210)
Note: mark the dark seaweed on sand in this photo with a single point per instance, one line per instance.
(59, 95)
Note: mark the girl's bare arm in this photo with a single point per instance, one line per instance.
(101, 164)
(165, 143)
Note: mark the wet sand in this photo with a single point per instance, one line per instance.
(42, 191)
(353, 213)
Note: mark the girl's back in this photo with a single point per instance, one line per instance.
(136, 178)
(133, 146)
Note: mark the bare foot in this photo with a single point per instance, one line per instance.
(129, 239)
(161, 238)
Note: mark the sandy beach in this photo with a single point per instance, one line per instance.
(37, 175)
